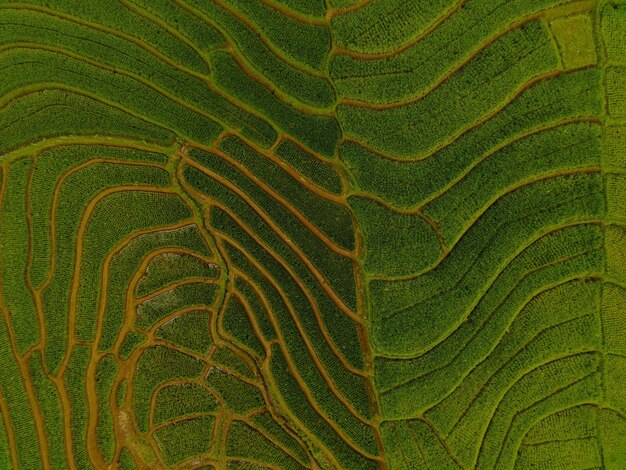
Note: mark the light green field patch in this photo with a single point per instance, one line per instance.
(574, 37)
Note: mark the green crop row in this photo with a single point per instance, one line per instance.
(246, 442)
(472, 28)
(333, 219)
(107, 369)
(253, 300)
(182, 399)
(101, 235)
(395, 243)
(14, 244)
(559, 150)
(306, 43)
(315, 8)
(33, 67)
(551, 259)
(126, 461)
(300, 407)
(30, 118)
(548, 103)
(320, 133)
(349, 386)
(236, 323)
(113, 17)
(239, 396)
(158, 364)
(461, 278)
(481, 87)
(170, 267)
(74, 381)
(125, 264)
(292, 310)
(50, 167)
(252, 203)
(387, 24)
(555, 385)
(130, 342)
(310, 166)
(78, 189)
(301, 85)
(270, 427)
(203, 36)
(129, 59)
(189, 330)
(196, 294)
(453, 390)
(185, 439)
(281, 234)
(226, 358)
(20, 417)
(415, 444)
(50, 405)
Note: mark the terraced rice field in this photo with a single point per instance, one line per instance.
(313, 234)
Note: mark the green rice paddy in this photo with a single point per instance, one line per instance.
(313, 234)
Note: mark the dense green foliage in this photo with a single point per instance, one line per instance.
(313, 234)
